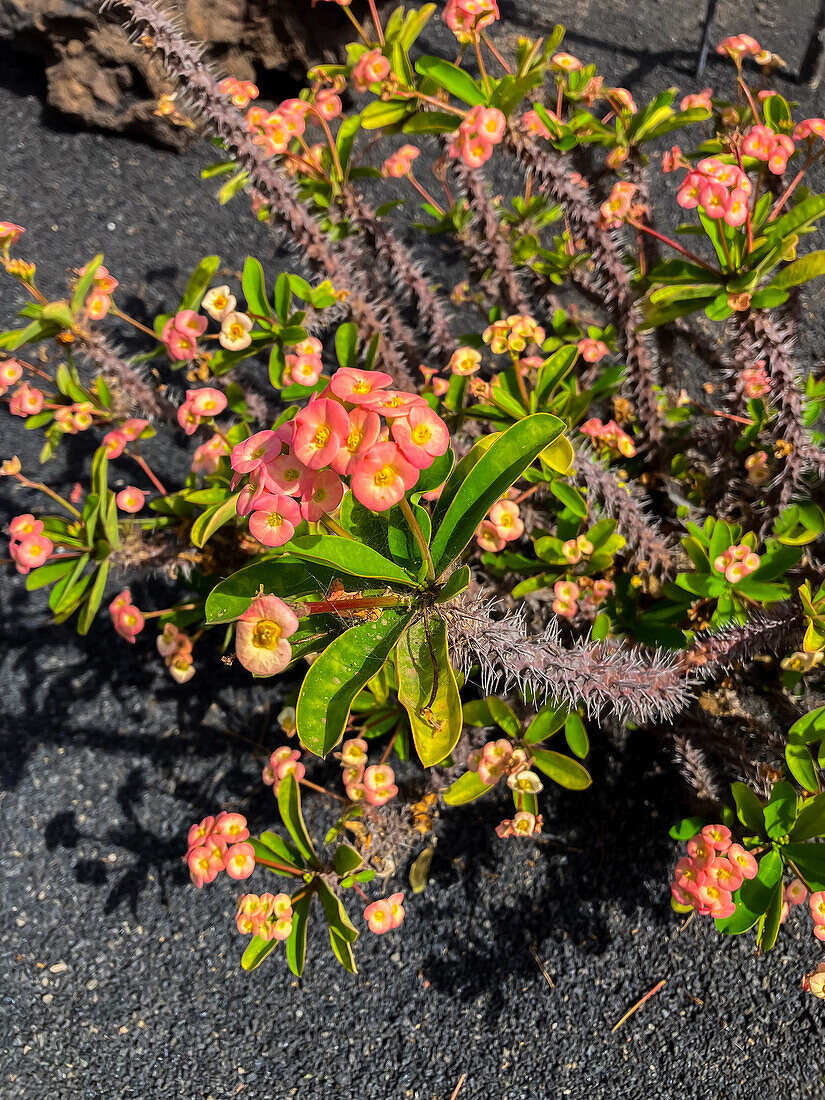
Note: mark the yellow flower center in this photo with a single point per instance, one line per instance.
(361, 386)
(384, 476)
(354, 440)
(266, 634)
(274, 519)
(322, 434)
(421, 434)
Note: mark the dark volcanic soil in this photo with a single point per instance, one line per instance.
(119, 979)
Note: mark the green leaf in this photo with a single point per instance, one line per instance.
(428, 691)
(451, 78)
(289, 807)
(254, 288)
(336, 677)
(89, 610)
(346, 345)
(336, 914)
(430, 122)
(282, 297)
(802, 215)
(256, 951)
(548, 720)
(296, 945)
(754, 896)
(414, 24)
(342, 950)
(810, 727)
(471, 495)
(346, 859)
(199, 282)
(349, 556)
(748, 808)
(576, 736)
(477, 713)
(687, 828)
(381, 113)
(465, 789)
(457, 581)
(277, 574)
(48, 574)
(345, 138)
(769, 925)
(562, 769)
(281, 849)
(780, 812)
(800, 764)
(504, 716)
(213, 519)
(571, 498)
(809, 861)
(84, 284)
(811, 820)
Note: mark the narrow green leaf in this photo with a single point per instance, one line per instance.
(428, 691)
(769, 925)
(420, 870)
(562, 769)
(349, 556)
(90, 607)
(289, 807)
(296, 945)
(84, 284)
(199, 282)
(451, 78)
(336, 914)
(254, 288)
(495, 471)
(811, 820)
(547, 721)
(213, 519)
(256, 951)
(336, 677)
(504, 716)
(346, 859)
(342, 951)
(467, 788)
(576, 735)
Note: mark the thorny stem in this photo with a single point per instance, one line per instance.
(418, 535)
(345, 605)
(674, 244)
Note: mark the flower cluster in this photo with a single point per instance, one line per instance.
(217, 844)
(267, 915)
(371, 68)
(503, 525)
(592, 350)
(808, 128)
(115, 441)
(274, 130)
(609, 435)
(618, 205)
(738, 46)
(338, 434)
(99, 300)
(399, 163)
(763, 143)
(201, 404)
(736, 563)
(240, 92)
(375, 784)
(304, 366)
(126, 618)
(386, 914)
(480, 130)
(499, 758)
(284, 761)
(755, 380)
(513, 334)
(176, 649)
(567, 592)
(706, 878)
(28, 546)
(261, 636)
(720, 189)
(521, 824)
(466, 18)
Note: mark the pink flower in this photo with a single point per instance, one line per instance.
(504, 516)
(128, 622)
(205, 863)
(97, 305)
(488, 537)
(240, 92)
(480, 130)
(422, 436)
(714, 199)
(353, 752)
(218, 302)
(371, 68)
(132, 428)
(130, 499)
(252, 453)
(696, 100)
(700, 851)
(744, 860)
(304, 370)
(358, 387)
(466, 17)
(261, 636)
(24, 525)
(364, 430)
(808, 128)
(10, 372)
(235, 331)
(26, 401)
(378, 777)
(180, 346)
(328, 104)
(321, 493)
(208, 455)
(725, 874)
(381, 476)
(718, 836)
(399, 164)
(593, 351)
(30, 551)
(274, 520)
(320, 431)
(113, 443)
(795, 892)
(232, 827)
(206, 402)
(817, 904)
(240, 861)
(10, 234)
(737, 211)
(392, 403)
(386, 914)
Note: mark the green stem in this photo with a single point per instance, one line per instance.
(49, 492)
(418, 535)
(335, 527)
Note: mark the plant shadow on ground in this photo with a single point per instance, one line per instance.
(596, 852)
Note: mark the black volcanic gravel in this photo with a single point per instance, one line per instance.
(119, 979)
